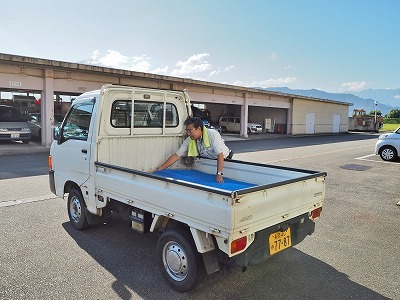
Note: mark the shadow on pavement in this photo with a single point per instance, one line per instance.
(130, 257)
(23, 160)
(18, 148)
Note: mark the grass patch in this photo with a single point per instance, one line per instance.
(389, 127)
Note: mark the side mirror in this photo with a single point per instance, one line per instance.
(56, 133)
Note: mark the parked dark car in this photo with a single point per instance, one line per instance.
(13, 125)
(35, 123)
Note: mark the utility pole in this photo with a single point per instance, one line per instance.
(376, 104)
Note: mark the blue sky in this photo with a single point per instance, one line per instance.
(335, 46)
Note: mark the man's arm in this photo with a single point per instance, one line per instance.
(220, 167)
(170, 161)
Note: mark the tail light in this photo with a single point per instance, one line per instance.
(50, 162)
(316, 213)
(238, 245)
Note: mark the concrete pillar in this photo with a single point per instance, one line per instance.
(47, 108)
(244, 116)
(289, 122)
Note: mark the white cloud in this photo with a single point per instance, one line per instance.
(140, 63)
(161, 71)
(354, 86)
(287, 67)
(229, 68)
(213, 73)
(273, 56)
(397, 97)
(195, 64)
(273, 82)
(240, 83)
(114, 59)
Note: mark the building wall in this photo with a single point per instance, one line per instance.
(324, 112)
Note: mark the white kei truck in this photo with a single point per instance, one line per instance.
(105, 155)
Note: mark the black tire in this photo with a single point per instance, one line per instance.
(26, 141)
(248, 131)
(178, 259)
(224, 129)
(388, 153)
(76, 210)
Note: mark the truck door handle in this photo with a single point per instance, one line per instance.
(84, 151)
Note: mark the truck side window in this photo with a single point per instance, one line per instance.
(78, 121)
(121, 114)
(157, 115)
(145, 114)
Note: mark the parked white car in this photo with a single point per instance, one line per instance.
(232, 124)
(388, 146)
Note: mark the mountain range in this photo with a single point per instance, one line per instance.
(387, 99)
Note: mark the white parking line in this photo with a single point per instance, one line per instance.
(366, 156)
(28, 200)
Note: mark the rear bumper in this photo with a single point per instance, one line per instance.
(258, 251)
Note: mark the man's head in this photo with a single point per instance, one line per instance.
(194, 127)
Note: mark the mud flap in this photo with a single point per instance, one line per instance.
(210, 262)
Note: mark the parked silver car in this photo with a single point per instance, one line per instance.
(388, 146)
(13, 125)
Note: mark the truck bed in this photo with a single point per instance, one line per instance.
(203, 179)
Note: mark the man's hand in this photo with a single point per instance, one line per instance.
(219, 178)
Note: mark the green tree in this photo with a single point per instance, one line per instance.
(372, 113)
(394, 113)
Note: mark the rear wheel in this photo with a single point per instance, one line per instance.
(388, 153)
(76, 210)
(179, 260)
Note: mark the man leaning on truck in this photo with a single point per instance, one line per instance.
(201, 141)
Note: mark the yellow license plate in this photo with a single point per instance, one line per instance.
(279, 241)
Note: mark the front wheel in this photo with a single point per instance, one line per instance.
(76, 210)
(388, 153)
(179, 260)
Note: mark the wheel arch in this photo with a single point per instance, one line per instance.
(69, 185)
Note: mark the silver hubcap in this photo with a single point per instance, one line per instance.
(387, 154)
(175, 261)
(75, 209)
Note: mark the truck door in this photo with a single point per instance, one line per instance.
(74, 143)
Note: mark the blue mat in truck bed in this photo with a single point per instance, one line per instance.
(205, 179)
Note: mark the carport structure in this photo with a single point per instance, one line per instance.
(277, 112)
